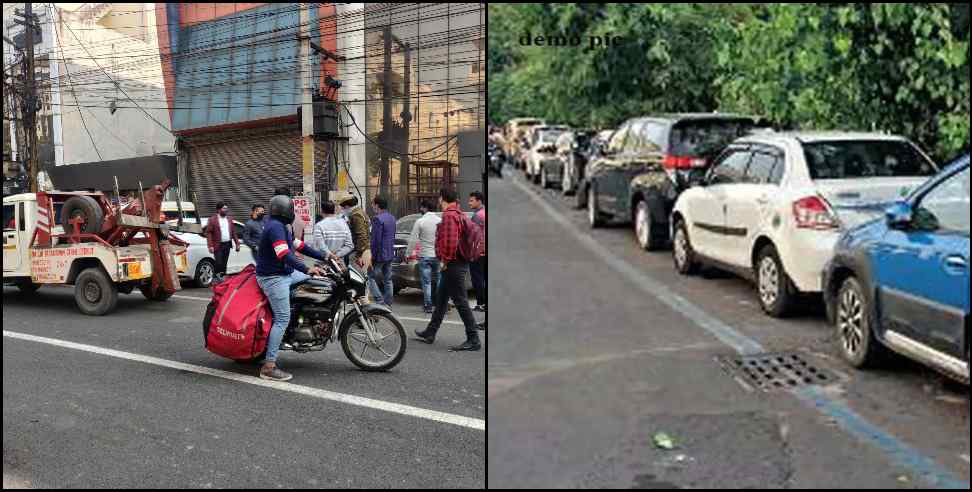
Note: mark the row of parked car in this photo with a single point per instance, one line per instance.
(867, 221)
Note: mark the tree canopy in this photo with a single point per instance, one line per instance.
(899, 68)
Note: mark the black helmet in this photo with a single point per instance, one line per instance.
(282, 207)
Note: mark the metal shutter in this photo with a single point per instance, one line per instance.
(243, 167)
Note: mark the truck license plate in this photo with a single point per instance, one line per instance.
(135, 270)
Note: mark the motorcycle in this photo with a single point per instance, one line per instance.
(496, 160)
(320, 304)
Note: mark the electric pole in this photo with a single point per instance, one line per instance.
(30, 99)
(307, 112)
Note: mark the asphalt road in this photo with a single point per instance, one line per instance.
(603, 346)
(83, 418)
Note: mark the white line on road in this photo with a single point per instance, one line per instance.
(445, 418)
(194, 298)
(965, 458)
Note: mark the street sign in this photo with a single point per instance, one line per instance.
(304, 208)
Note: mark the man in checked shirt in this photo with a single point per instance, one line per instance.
(453, 270)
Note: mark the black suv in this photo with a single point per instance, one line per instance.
(648, 162)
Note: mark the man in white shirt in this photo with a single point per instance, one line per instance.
(423, 238)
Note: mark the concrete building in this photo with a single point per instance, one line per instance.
(233, 83)
(99, 82)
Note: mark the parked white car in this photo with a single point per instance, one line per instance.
(543, 146)
(202, 263)
(772, 206)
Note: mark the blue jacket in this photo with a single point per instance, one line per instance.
(383, 237)
(275, 254)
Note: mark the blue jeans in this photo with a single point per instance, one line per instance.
(277, 290)
(384, 270)
(429, 271)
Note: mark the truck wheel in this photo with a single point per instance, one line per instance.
(85, 207)
(94, 292)
(146, 290)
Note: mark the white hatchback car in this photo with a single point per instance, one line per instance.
(773, 205)
(202, 263)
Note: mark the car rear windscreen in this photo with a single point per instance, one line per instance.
(702, 138)
(866, 159)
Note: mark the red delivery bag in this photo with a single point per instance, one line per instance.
(238, 318)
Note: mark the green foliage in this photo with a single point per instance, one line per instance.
(901, 68)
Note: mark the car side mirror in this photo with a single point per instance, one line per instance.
(899, 215)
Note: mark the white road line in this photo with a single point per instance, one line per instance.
(445, 418)
(965, 458)
(400, 317)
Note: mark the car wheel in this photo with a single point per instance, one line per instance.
(566, 187)
(645, 229)
(593, 214)
(682, 252)
(858, 346)
(95, 293)
(776, 292)
(580, 198)
(205, 273)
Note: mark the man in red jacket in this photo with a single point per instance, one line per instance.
(454, 269)
(219, 233)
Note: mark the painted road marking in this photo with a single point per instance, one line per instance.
(898, 451)
(965, 458)
(194, 298)
(421, 413)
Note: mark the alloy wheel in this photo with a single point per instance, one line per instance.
(850, 322)
(769, 281)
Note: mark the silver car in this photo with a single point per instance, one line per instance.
(405, 272)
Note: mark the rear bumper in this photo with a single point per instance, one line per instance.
(806, 255)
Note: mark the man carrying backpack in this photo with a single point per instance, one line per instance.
(277, 268)
(456, 244)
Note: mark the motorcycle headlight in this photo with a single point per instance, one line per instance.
(356, 276)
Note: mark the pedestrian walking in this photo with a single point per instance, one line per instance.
(478, 268)
(454, 268)
(220, 236)
(383, 251)
(423, 236)
(332, 234)
(253, 229)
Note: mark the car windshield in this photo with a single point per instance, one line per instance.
(550, 136)
(706, 137)
(866, 159)
(186, 215)
(405, 225)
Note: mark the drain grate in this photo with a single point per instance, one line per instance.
(776, 372)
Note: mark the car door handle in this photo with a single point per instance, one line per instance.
(762, 200)
(956, 263)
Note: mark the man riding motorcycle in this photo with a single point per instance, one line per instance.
(277, 268)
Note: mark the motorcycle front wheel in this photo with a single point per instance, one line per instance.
(359, 349)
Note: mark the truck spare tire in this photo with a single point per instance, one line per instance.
(85, 207)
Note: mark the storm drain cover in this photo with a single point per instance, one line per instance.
(777, 372)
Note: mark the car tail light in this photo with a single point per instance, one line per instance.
(814, 213)
(683, 162)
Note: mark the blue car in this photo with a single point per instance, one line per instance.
(902, 284)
